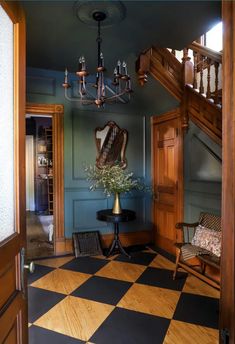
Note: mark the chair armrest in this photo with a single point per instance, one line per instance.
(186, 228)
(181, 225)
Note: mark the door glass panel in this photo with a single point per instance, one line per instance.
(7, 206)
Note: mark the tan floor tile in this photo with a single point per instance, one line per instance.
(75, 317)
(61, 281)
(162, 263)
(149, 250)
(54, 262)
(109, 258)
(181, 333)
(29, 324)
(121, 271)
(99, 257)
(194, 285)
(113, 257)
(151, 300)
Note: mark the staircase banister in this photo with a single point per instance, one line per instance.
(167, 54)
(207, 52)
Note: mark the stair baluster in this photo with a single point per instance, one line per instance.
(195, 64)
(216, 99)
(201, 67)
(208, 92)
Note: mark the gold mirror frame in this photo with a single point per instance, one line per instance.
(111, 143)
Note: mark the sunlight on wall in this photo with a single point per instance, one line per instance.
(214, 37)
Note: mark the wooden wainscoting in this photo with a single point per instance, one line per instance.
(127, 239)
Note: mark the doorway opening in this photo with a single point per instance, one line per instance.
(39, 186)
(45, 180)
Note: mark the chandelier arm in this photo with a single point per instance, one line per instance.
(116, 95)
(75, 99)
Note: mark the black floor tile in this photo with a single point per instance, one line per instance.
(142, 258)
(40, 301)
(39, 272)
(197, 309)
(164, 253)
(39, 335)
(103, 289)
(162, 278)
(128, 327)
(87, 265)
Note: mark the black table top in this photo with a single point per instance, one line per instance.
(108, 216)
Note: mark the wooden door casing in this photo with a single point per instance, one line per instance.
(13, 304)
(227, 300)
(167, 172)
(56, 111)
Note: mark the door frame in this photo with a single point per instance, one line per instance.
(157, 119)
(227, 302)
(56, 111)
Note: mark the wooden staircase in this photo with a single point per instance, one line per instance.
(195, 82)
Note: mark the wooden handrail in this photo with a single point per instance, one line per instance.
(207, 52)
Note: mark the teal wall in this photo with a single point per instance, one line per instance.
(44, 86)
(202, 157)
(202, 174)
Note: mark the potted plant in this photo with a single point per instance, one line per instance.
(114, 180)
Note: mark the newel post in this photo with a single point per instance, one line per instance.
(143, 66)
(187, 68)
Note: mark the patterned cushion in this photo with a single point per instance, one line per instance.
(210, 221)
(208, 239)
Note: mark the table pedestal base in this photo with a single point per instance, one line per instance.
(116, 244)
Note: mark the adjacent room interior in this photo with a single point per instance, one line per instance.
(39, 186)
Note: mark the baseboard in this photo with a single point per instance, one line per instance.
(65, 246)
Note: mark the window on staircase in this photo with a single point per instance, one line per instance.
(213, 39)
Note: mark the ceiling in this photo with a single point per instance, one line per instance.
(56, 38)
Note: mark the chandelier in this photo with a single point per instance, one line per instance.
(100, 92)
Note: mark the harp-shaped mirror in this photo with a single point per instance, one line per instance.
(111, 145)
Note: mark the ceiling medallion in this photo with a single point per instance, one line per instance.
(100, 92)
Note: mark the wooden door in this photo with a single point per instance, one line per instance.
(13, 305)
(167, 178)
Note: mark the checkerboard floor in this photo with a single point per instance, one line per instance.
(95, 300)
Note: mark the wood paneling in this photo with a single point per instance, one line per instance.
(164, 67)
(57, 112)
(167, 171)
(12, 335)
(228, 174)
(7, 282)
(127, 239)
(168, 70)
(205, 114)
